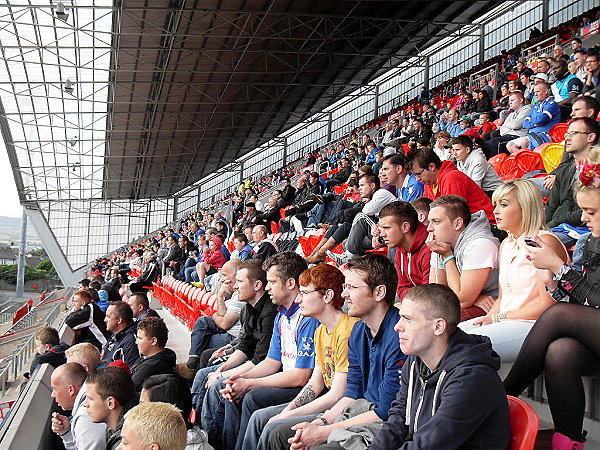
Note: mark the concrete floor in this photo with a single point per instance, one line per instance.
(179, 334)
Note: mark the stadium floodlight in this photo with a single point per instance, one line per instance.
(69, 87)
(61, 12)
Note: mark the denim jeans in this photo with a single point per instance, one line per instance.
(258, 431)
(237, 415)
(188, 272)
(213, 412)
(204, 329)
(199, 389)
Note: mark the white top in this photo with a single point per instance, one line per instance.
(479, 170)
(479, 253)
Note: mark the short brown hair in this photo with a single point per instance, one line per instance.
(255, 271)
(123, 310)
(379, 270)
(113, 382)
(438, 301)
(455, 206)
(324, 276)
(289, 265)
(48, 336)
(403, 212)
(154, 327)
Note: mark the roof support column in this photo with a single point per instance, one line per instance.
(68, 276)
(376, 102)
(22, 250)
(426, 73)
(285, 151)
(545, 15)
(481, 43)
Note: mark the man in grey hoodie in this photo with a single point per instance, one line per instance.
(464, 254)
(450, 394)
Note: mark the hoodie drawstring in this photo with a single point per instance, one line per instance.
(409, 394)
(437, 390)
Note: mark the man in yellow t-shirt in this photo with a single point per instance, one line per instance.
(320, 297)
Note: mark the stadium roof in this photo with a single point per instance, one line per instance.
(139, 99)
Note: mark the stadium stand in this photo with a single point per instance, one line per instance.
(325, 203)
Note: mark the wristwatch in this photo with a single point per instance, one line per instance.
(564, 269)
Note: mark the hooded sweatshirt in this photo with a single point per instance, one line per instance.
(459, 405)
(215, 258)
(162, 362)
(452, 181)
(479, 170)
(413, 265)
(477, 229)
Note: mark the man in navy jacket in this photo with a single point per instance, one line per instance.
(450, 395)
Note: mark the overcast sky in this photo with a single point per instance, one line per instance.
(8, 191)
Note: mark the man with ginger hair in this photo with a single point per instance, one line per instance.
(154, 426)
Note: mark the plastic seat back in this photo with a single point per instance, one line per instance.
(557, 132)
(552, 154)
(524, 424)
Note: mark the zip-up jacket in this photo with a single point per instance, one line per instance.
(88, 324)
(460, 405)
(122, 346)
(162, 362)
(55, 357)
(413, 265)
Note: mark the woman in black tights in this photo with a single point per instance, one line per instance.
(565, 341)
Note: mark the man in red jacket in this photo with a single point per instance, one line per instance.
(399, 228)
(443, 178)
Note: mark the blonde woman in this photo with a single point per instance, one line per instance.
(522, 296)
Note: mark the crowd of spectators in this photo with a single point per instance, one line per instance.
(429, 271)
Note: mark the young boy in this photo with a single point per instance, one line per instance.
(49, 349)
(151, 339)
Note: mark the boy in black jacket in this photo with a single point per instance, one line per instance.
(49, 349)
(450, 396)
(151, 339)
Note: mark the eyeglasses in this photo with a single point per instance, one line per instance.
(573, 133)
(303, 293)
(349, 287)
(418, 174)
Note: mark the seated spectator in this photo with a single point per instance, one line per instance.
(464, 254)
(471, 161)
(319, 297)
(68, 390)
(212, 260)
(374, 363)
(271, 213)
(224, 325)
(511, 128)
(280, 376)
(566, 87)
(543, 116)
(449, 414)
(399, 229)
(101, 295)
(422, 206)
(442, 145)
(255, 335)
(243, 250)
(121, 345)
(151, 339)
(394, 171)
(288, 192)
(263, 246)
(49, 349)
(521, 293)
(583, 133)
(443, 178)
(155, 425)
(342, 176)
(87, 320)
(150, 274)
(356, 226)
(77, 431)
(175, 390)
(451, 124)
(592, 75)
(109, 395)
(138, 302)
(176, 257)
(567, 331)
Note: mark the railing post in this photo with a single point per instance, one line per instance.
(481, 43)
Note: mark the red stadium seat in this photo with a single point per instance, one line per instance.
(524, 423)
(557, 132)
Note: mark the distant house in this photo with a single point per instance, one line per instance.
(9, 255)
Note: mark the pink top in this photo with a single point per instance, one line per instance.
(518, 278)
